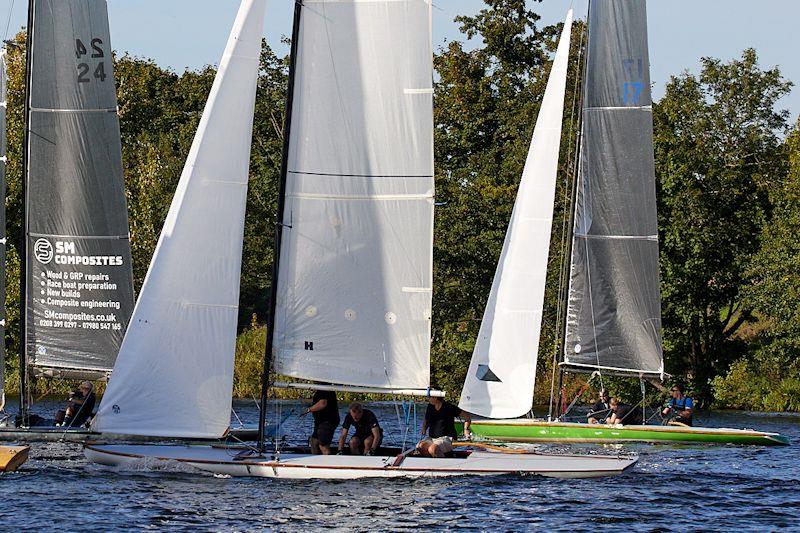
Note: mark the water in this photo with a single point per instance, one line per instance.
(671, 488)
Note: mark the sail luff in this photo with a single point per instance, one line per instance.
(174, 373)
(354, 290)
(3, 163)
(613, 308)
(78, 288)
(502, 373)
(276, 252)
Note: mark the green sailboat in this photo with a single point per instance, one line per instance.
(610, 306)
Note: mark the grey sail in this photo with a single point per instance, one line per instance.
(3, 162)
(614, 305)
(79, 294)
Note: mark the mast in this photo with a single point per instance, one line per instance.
(23, 249)
(563, 290)
(287, 125)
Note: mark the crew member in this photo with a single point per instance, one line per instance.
(439, 423)
(325, 410)
(81, 406)
(622, 413)
(679, 408)
(600, 409)
(368, 435)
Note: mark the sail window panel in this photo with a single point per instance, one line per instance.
(614, 309)
(618, 68)
(354, 300)
(71, 56)
(353, 113)
(617, 182)
(75, 181)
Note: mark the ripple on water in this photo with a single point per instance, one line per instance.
(672, 487)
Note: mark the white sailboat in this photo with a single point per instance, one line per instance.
(351, 302)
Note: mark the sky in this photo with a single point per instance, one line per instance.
(192, 33)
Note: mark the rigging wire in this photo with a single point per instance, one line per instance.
(572, 169)
(8, 20)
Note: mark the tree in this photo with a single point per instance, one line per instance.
(718, 153)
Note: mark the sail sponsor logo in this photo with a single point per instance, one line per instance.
(66, 253)
(43, 251)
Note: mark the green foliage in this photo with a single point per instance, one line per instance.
(718, 153)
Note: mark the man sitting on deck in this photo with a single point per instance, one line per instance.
(601, 409)
(440, 425)
(679, 409)
(622, 413)
(80, 408)
(368, 435)
(325, 410)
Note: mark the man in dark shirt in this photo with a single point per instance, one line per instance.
(325, 410)
(439, 423)
(368, 435)
(622, 413)
(80, 406)
(600, 409)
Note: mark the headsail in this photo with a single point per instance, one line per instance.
(354, 288)
(174, 374)
(79, 293)
(3, 162)
(502, 373)
(614, 305)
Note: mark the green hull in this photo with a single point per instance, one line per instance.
(525, 430)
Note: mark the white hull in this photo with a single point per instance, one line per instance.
(222, 460)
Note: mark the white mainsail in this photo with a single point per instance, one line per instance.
(174, 373)
(502, 372)
(356, 259)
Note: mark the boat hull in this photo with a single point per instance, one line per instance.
(526, 430)
(224, 460)
(12, 457)
(81, 435)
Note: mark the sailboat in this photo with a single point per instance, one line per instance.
(613, 316)
(76, 279)
(353, 265)
(11, 457)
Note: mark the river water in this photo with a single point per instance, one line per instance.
(671, 488)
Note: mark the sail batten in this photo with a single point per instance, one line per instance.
(357, 228)
(79, 278)
(174, 373)
(613, 308)
(502, 373)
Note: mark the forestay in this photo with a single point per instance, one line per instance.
(502, 373)
(354, 288)
(79, 293)
(614, 306)
(3, 162)
(174, 374)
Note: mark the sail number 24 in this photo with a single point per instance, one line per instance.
(95, 52)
